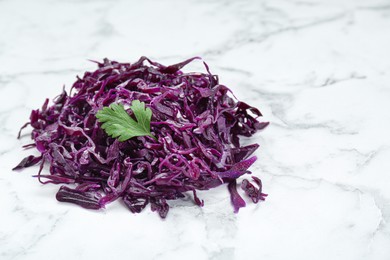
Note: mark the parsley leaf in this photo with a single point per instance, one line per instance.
(118, 124)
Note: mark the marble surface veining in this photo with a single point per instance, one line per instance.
(318, 70)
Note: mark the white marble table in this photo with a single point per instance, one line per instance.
(318, 70)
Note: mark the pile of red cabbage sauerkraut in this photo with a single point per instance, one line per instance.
(197, 123)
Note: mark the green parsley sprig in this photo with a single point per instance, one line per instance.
(118, 124)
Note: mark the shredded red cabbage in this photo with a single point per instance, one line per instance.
(196, 120)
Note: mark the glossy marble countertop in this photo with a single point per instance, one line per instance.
(318, 70)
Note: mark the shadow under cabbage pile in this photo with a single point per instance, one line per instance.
(196, 121)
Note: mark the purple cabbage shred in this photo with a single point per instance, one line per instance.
(196, 120)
